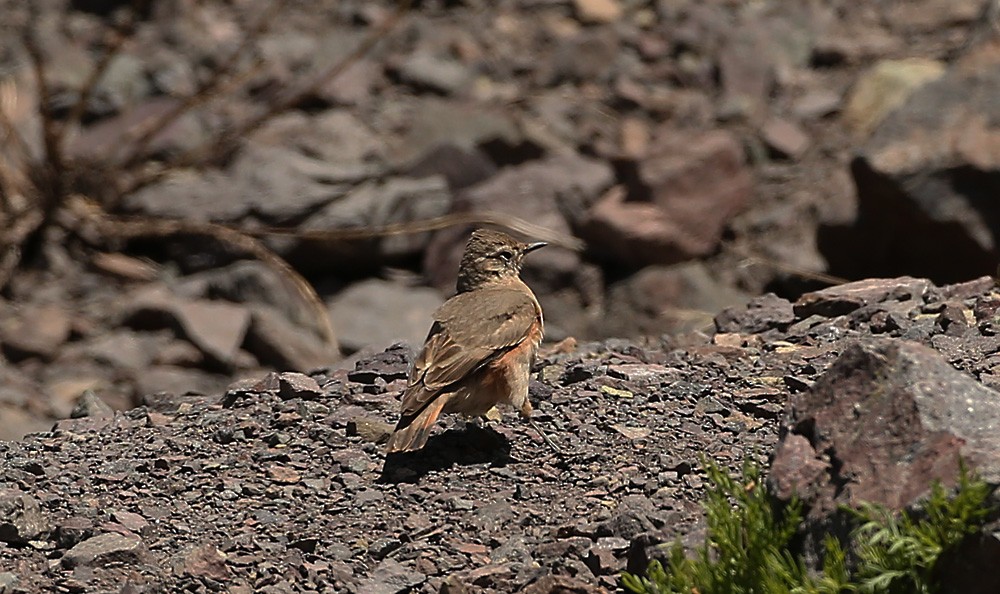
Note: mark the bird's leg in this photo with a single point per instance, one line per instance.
(544, 437)
(526, 413)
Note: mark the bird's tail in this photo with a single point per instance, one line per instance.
(412, 431)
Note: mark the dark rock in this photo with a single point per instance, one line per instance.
(391, 364)
(968, 568)
(275, 341)
(928, 171)
(760, 314)
(842, 299)
(21, 519)
(73, 530)
(630, 518)
(90, 405)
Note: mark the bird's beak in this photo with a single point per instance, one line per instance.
(534, 246)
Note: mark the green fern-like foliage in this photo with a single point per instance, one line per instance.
(897, 553)
(747, 549)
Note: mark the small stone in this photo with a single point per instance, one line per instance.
(632, 432)
(296, 385)
(206, 561)
(784, 138)
(132, 521)
(443, 75)
(597, 11)
(390, 577)
(110, 547)
(90, 404)
(817, 104)
(125, 267)
(616, 392)
(283, 475)
(369, 429)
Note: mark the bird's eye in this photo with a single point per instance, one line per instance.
(506, 256)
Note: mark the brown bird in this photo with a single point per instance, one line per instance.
(481, 347)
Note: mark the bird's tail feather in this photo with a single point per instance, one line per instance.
(412, 431)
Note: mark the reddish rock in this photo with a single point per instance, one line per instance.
(637, 233)
(700, 180)
(695, 183)
(206, 561)
(886, 420)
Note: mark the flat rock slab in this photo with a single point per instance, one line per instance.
(106, 548)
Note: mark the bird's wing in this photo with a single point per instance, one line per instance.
(470, 330)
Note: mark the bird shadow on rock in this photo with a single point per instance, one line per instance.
(464, 447)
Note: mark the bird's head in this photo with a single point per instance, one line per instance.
(490, 257)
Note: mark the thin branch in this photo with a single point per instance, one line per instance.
(499, 219)
(829, 279)
(218, 145)
(138, 141)
(129, 227)
(377, 34)
(119, 36)
(50, 135)
(13, 135)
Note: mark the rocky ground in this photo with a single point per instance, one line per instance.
(281, 484)
(681, 156)
(684, 156)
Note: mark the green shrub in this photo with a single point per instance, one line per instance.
(748, 544)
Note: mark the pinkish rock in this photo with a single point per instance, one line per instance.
(784, 138)
(35, 331)
(886, 420)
